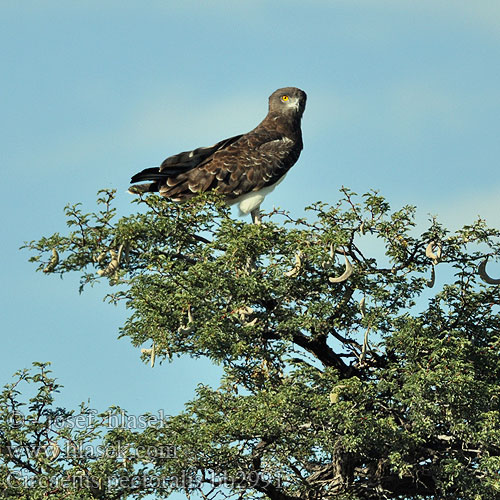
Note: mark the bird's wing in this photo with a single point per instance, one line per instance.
(182, 162)
(256, 160)
(234, 166)
(190, 159)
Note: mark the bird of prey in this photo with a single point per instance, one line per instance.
(244, 168)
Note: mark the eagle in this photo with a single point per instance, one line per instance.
(244, 168)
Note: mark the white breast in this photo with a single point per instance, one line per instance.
(250, 201)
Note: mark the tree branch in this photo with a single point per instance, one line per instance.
(320, 349)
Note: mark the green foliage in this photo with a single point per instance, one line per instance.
(321, 397)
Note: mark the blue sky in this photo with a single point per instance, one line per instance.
(403, 96)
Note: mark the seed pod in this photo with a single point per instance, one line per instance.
(152, 353)
(54, 260)
(250, 323)
(334, 395)
(328, 263)
(184, 329)
(243, 312)
(55, 450)
(100, 257)
(362, 307)
(113, 266)
(430, 283)
(346, 273)
(484, 275)
(293, 273)
(127, 252)
(430, 253)
(265, 367)
(365, 346)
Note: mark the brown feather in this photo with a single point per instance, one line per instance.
(239, 164)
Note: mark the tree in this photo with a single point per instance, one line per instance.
(346, 376)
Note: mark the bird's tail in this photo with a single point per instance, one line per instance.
(149, 174)
(143, 188)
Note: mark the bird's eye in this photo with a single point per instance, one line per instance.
(284, 98)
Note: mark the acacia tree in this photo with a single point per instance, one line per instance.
(346, 375)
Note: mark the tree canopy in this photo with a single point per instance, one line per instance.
(350, 372)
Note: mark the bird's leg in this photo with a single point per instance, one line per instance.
(256, 216)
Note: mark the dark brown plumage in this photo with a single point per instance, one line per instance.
(245, 168)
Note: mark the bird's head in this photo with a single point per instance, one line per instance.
(288, 100)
